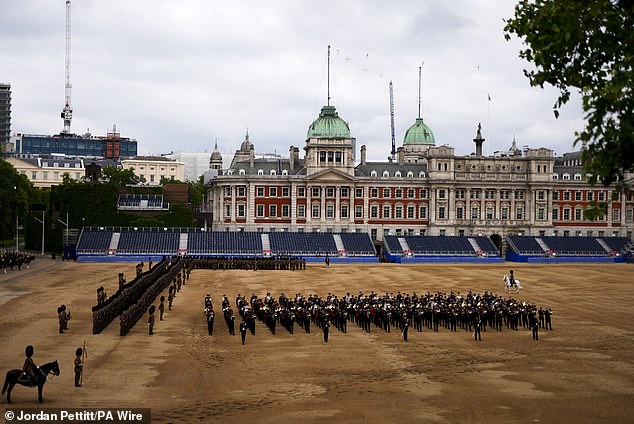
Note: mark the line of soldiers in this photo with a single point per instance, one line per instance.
(471, 312)
(11, 258)
(288, 263)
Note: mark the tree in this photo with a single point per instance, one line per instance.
(586, 46)
(120, 177)
(15, 192)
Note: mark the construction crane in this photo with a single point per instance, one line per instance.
(67, 112)
(393, 153)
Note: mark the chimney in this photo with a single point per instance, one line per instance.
(251, 157)
(400, 155)
(291, 157)
(363, 155)
(478, 141)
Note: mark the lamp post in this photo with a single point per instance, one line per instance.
(41, 222)
(17, 232)
(66, 225)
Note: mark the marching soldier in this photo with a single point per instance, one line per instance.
(150, 320)
(60, 318)
(243, 330)
(325, 328)
(161, 308)
(548, 315)
(79, 366)
(535, 327)
(478, 325)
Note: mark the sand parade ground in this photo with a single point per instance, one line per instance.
(581, 372)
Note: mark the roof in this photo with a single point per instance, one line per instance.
(390, 167)
(419, 132)
(266, 165)
(328, 125)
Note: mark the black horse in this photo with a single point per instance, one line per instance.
(19, 377)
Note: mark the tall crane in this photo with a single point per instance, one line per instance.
(67, 112)
(393, 153)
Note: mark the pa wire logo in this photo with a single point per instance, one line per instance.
(56, 415)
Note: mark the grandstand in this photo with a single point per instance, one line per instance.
(440, 249)
(130, 244)
(567, 249)
(141, 202)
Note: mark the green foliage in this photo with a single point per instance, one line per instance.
(15, 193)
(197, 191)
(587, 46)
(120, 177)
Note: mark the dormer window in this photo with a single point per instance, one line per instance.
(386, 174)
(397, 174)
(410, 174)
(241, 172)
(260, 171)
(273, 172)
(373, 174)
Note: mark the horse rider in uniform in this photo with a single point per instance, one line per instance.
(29, 366)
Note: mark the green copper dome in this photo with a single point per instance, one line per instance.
(328, 125)
(419, 133)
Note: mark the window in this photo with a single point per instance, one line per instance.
(555, 214)
(242, 190)
(578, 214)
(386, 174)
(566, 214)
(566, 177)
(475, 194)
(358, 211)
(460, 193)
(555, 176)
(386, 192)
(272, 210)
(301, 211)
(519, 212)
(373, 233)
(489, 212)
(459, 212)
(541, 214)
(441, 194)
(410, 174)
(398, 193)
(566, 195)
(272, 172)
(241, 210)
(374, 192)
(490, 194)
(629, 215)
(519, 195)
(373, 174)
(260, 211)
(338, 157)
(504, 212)
(555, 195)
(423, 193)
(505, 194)
(285, 210)
(374, 211)
(422, 212)
(345, 192)
(411, 212)
(316, 191)
(577, 177)
(410, 193)
(315, 210)
(286, 191)
(228, 210)
(540, 195)
(151, 178)
(358, 193)
(616, 214)
(386, 211)
(616, 196)
(301, 192)
(344, 211)
(475, 213)
(441, 212)
(398, 212)
(260, 191)
(590, 196)
(272, 191)
(241, 172)
(260, 172)
(284, 172)
(33, 175)
(397, 174)
(330, 192)
(601, 196)
(577, 195)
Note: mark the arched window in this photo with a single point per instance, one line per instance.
(241, 172)
(578, 177)
(273, 172)
(397, 174)
(373, 174)
(386, 174)
(260, 172)
(284, 171)
(410, 174)
(555, 176)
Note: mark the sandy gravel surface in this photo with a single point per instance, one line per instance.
(581, 372)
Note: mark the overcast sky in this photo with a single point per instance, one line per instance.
(176, 75)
